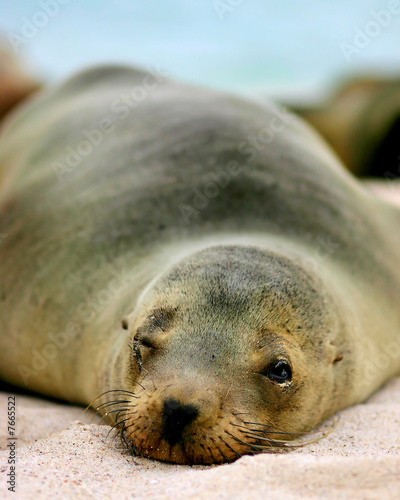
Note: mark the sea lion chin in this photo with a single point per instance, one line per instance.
(221, 362)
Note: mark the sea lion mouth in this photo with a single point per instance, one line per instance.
(176, 432)
(225, 442)
(182, 425)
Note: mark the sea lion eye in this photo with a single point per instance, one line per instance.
(146, 342)
(279, 372)
(142, 340)
(139, 342)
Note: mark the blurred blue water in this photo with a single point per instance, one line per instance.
(277, 47)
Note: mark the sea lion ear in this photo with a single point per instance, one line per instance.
(339, 356)
(125, 323)
(335, 353)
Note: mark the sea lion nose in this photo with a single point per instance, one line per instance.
(176, 417)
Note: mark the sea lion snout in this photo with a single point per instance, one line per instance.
(175, 420)
(182, 399)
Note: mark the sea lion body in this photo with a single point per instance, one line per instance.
(15, 84)
(361, 121)
(257, 277)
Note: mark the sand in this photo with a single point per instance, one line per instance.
(61, 454)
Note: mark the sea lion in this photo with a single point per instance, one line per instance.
(201, 261)
(15, 84)
(361, 121)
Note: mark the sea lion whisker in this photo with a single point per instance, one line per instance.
(184, 451)
(286, 444)
(241, 413)
(197, 459)
(268, 446)
(267, 440)
(247, 429)
(126, 427)
(251, 423)
(134, 430)
(211, 453)
(151, 378)
(239, 440)
(230, 447)
(140, 385)
(121, 422)
(116, 410)
(130, 447)
(248, 433)
(274, 427)
(126, 404)
(109, 413)
(220, 451)
(115, 427)
(113, 390)
(128, 417)
(167, 386)
(222, 454)
(90, 406)
(96, 411)
(226, 395)
(112, 403)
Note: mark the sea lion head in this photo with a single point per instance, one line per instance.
(232, 352)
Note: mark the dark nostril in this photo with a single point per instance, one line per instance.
(176, 417)
(170, 406)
